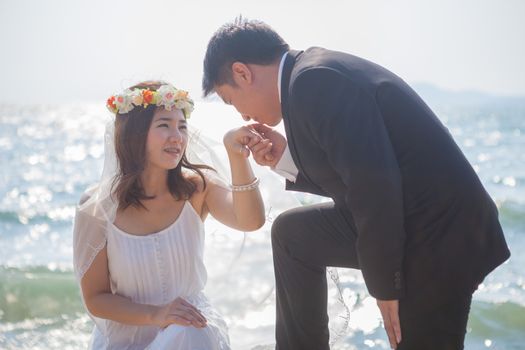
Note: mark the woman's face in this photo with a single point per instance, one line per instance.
(167, 139)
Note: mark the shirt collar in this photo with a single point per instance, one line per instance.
(281, 65)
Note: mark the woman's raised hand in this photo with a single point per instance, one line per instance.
(180, 312)
(239, 141)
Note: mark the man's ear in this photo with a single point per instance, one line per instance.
(241, 74)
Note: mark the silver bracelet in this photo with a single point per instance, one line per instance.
(251, 186)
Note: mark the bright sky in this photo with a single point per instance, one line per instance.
(54, 51)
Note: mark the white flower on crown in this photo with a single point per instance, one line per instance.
(181, 104)
(136, 97)
(124, 102)
(166, 96)
(188, 109)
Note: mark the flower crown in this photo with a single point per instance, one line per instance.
(166, 96)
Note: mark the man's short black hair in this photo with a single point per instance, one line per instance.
(246, 41)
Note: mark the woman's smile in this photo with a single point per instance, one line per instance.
(173, 150)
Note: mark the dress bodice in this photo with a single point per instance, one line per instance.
(159, 267)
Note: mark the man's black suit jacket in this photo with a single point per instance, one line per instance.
(426, 228)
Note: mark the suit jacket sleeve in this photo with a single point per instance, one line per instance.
(345, 121)
(302, 185)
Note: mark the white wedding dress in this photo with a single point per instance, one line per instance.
(155, 269)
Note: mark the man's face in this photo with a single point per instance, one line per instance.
(257, 100)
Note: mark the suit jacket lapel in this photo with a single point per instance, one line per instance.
(288, 66)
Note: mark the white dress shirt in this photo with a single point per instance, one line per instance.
(286, 166)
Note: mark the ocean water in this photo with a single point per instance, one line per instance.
(50, 154)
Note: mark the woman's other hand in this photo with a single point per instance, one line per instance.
(180, 312)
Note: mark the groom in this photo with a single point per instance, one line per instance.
(408, 210)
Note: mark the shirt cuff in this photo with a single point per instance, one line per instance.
(286, 166)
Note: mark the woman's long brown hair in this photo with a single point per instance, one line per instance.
(131, 132)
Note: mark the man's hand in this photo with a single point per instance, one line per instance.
(268, 154)
(390, 312)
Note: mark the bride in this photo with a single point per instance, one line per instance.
(138, 235)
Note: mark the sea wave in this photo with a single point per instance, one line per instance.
(37, 292)
(512, 215)
(54, 216)
(40, 308)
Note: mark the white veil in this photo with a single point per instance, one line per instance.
(241, 281)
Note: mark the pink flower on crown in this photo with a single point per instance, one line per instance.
(166, 96)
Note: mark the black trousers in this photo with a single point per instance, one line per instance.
(305, 241)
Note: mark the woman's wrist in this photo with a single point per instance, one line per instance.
(252, 185)
(230, 143)
(152, 315)
(237, 141)
(238, 153)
